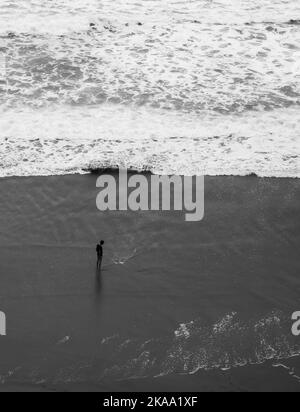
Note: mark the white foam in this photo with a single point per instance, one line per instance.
(230, 343)
(170, 86)
(57, 16)
(63, 140)
(179, 65)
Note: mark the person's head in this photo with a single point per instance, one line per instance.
(102, 242)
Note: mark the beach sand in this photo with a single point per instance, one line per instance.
(178, 306)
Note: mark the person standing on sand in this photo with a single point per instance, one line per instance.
(99, 250)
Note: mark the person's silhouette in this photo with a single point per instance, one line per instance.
(99, 250)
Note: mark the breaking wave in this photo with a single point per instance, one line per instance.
(66, 140)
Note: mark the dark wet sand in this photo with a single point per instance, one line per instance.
(159, 272)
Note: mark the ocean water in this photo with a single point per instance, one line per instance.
(229, 344)
(188, 87)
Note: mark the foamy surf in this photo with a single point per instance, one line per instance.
(194, 346)
(185, 65)
(65, 140)
(229, 343)
(211, 87)
(60, 17)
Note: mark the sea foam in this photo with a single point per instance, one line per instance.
(66, 140)
(211, 87)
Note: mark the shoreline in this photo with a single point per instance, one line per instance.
(115, 170)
